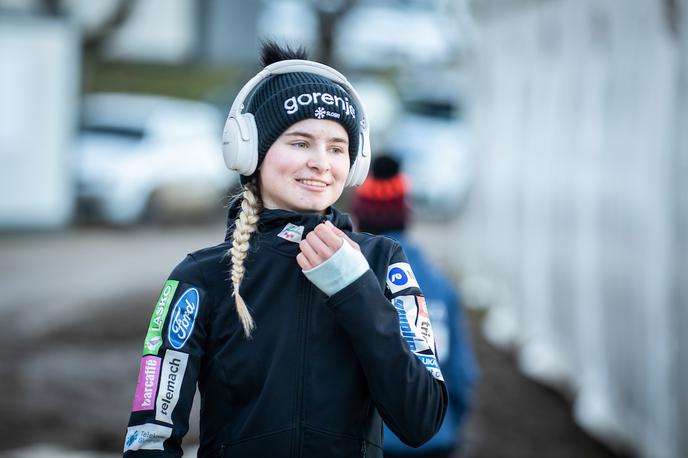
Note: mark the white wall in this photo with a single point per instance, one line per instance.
(579, 217)
(38, 89)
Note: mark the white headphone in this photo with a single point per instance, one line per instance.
(240, 136)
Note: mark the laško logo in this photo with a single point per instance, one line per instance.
(342, 105)
(153, 340)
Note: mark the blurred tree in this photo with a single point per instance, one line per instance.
(671, 13)
(329, 12)
(94, 35)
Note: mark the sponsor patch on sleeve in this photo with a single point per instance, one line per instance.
(173, 370)
(147, 385)
(183, 318)
(430, 363)
(148, 436)
(416, 330)
(423, 323)
(440, 327)
(400, 276)
(153, 341)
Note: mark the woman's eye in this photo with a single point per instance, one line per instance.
(300, 144)
(337, 150)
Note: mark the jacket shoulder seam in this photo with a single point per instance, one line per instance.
(206, 287)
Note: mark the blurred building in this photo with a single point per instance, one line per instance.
(46, 42)
(39, 91)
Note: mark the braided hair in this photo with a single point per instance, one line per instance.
(245, 224)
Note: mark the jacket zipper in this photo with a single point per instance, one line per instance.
(304, 320)
(363, 448)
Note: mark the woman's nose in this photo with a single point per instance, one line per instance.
(318, 161)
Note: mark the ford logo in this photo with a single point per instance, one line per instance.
(183, 318)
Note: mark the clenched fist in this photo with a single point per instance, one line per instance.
(320, 244)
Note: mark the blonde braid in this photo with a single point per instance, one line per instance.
(244, 225)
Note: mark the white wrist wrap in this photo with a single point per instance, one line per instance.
(340, 270)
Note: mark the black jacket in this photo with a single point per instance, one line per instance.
(319, 374)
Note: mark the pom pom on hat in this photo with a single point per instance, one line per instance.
(385, 167)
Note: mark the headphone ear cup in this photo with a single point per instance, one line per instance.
(240, 144)
(359, 169)
(230, 142)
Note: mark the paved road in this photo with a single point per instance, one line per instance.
(49, 279)
(74, 308)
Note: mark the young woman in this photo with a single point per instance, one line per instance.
(301, 335)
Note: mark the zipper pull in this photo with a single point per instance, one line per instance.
(363, 448)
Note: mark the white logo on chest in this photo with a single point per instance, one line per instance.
(292, 233)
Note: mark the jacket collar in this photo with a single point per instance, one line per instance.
(275, 220)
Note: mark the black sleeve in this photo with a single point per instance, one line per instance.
(392, 337)
(169, 365)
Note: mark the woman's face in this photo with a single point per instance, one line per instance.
(306, 168)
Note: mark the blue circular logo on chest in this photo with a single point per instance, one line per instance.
(398, 276)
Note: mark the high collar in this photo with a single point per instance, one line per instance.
(274, 220)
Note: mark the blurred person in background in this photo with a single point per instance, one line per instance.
(288, 326)
(380, 206)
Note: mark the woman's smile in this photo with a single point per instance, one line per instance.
(311, 183)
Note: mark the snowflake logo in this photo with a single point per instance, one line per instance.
(320, 113)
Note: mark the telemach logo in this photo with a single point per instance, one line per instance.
(173, 370)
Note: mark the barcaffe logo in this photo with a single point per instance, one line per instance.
(342, 105)
(147, 385)
(183, 318)
(153, 341)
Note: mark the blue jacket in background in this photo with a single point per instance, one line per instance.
(453, 350)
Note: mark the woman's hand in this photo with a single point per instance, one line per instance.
(320, 244)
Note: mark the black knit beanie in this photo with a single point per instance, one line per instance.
(285, 99)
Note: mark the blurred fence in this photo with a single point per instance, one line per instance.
(580, 211)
